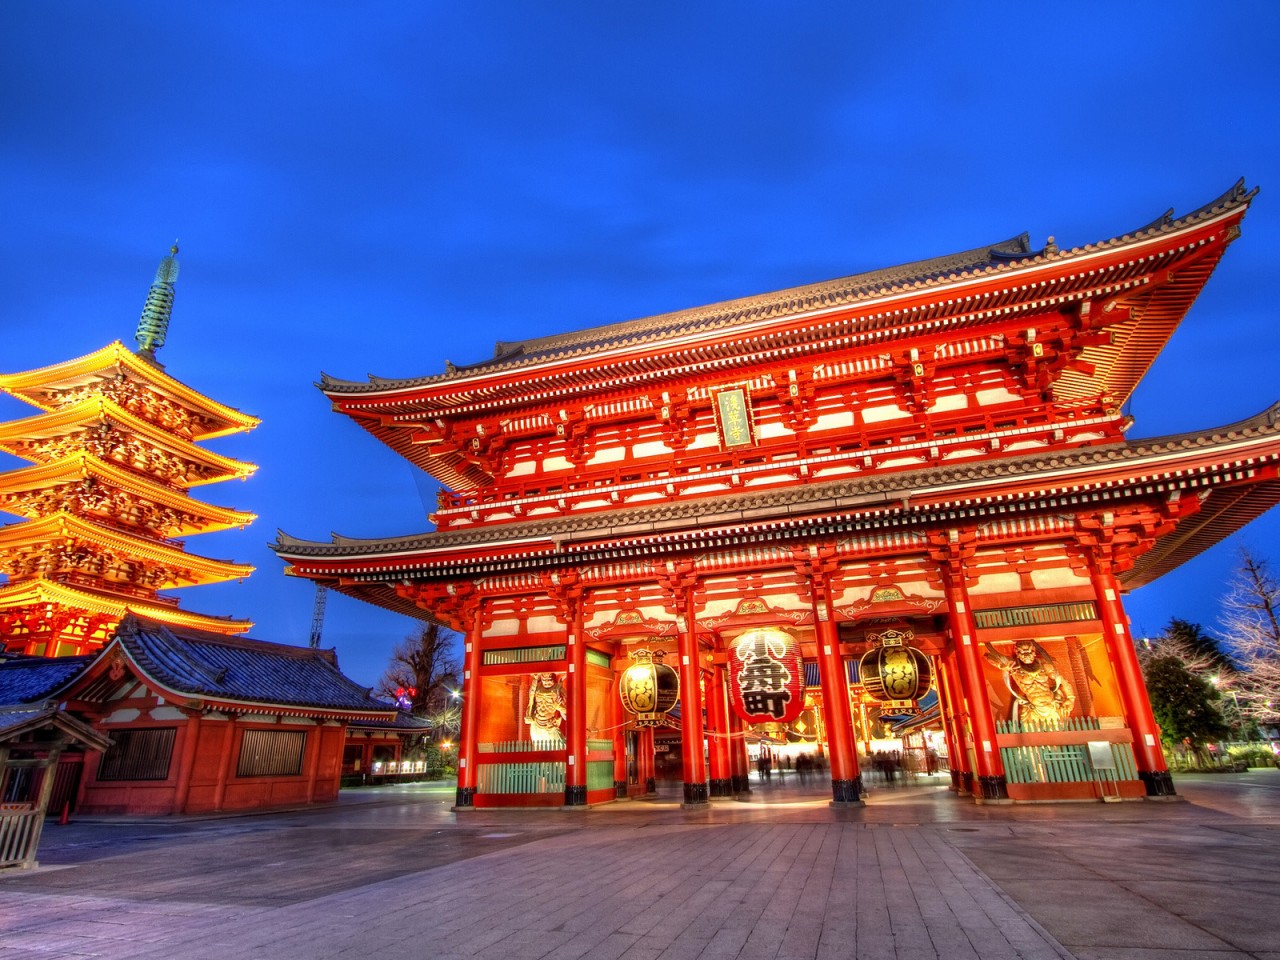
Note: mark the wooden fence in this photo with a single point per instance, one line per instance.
(20, 826)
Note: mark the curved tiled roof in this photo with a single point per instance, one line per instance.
(991, 260)
(241, 669)
(116, 356)
(34, 679)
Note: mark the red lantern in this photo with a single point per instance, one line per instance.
(895, 672)
(649, 688)
(766, 676)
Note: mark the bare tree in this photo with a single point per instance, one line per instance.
(1188, 643)
(1251, 623)
(423, 675)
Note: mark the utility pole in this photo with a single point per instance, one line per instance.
(317, 614)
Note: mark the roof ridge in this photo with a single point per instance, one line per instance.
(843, 290)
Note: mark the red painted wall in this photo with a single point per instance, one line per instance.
(323, 752)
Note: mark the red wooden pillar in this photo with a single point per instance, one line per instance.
(315, 751)
(681, 581)
(645, 761)
(1153, 771)
(739, 764)
(224, 764)
(991, 783)
(618, 720)
(575, 774)
(692, 736)
(186, 765)
(467, 748)
(846, 778)
(721, 783)
(953, 727)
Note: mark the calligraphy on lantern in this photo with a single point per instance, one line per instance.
(767, 677)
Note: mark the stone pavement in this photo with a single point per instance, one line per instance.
(916, 873)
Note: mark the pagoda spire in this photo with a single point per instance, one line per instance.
(154, 322)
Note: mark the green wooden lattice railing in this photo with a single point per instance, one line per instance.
(1064, 763)
(545, 776)
(539, 776)
(1047, 726)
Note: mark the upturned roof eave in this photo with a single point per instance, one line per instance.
(63, 524)
(546, 537)
(116, 354)
(69, 469)
(593, 342)
(39, 590)
(96, 409)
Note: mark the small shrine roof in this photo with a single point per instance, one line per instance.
(20, 720)
(240, 669)
(993, 260)
(31, 680)
(404, 721)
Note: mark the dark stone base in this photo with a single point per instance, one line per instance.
(620, 788)
(1158, 783)
(955, 780)
(721, 788)
(993, 788)
(966, 782)
(846, 791)
(575, 796)
(695, 793)
(741, 784)
(650, 785)
(466, 799)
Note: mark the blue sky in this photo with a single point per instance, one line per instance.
(378, 187)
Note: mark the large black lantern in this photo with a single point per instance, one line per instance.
(649, 688)
(894, 672)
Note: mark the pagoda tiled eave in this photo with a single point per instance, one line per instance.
(24, 492)
(49, 436)
(920, 301)
(35, 597)
(185, 569)
(1206, 484)
(52, 387)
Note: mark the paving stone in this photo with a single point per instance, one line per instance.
(922, 875)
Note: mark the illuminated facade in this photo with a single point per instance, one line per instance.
(114, 452)
(921, 473)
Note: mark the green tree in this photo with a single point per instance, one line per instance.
(1201, 653)
(1185, 705)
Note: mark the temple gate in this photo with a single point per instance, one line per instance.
(906, 484)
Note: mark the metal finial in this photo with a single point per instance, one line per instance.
(154, 322)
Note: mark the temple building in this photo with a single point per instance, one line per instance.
(113, 699)
(829, 509)
(113, 454)
(188, 721)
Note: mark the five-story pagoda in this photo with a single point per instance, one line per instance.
(113, 454)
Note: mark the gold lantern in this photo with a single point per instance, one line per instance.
(649, 688)
(894, 672)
